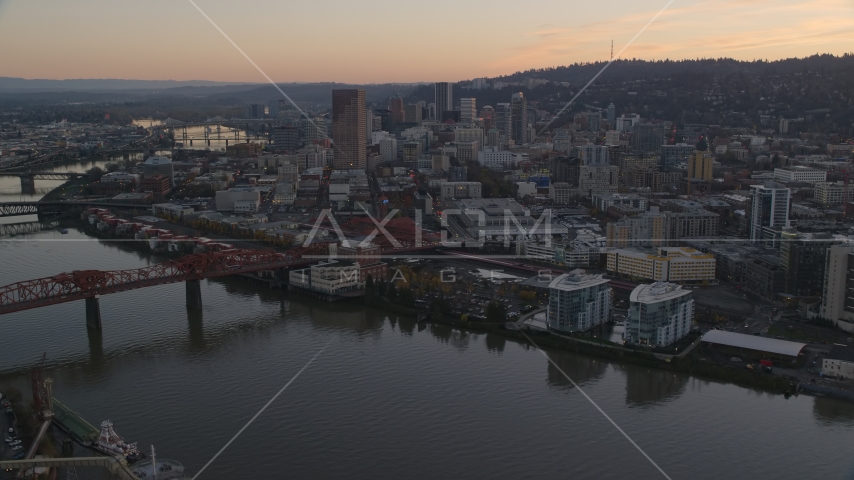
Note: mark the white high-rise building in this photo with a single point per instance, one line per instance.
(468, 109)
(578, 302)
(388, 149)
(837, 300)
(769, 208)
(659, 314)
(626, 122)
(593, 155)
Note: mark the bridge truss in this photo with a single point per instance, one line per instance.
(82, 284)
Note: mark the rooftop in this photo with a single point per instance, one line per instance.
(754, 342)
(657, 292)
(576, 280)
(838, 352)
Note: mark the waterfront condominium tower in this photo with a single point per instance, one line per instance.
(659, 314)
(578, 302)
(444, 99)
(349, 129)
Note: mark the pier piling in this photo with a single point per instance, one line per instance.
(194, 295)
(93, 313)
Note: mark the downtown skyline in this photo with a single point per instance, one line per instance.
(171, 41)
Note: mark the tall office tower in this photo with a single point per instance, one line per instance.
(487, 114)
(519, 109)
(648, 137)
(700, 166)
(397, 111)
(593, 155)
(349, 129)
(769, 207)
(802, 257)
(672, 155)
(444, 99)
(612, 115)
(312, 129)
(504, 120)
(286, 139)
(468, 109)
(593, 121)
(412, 113)
(369, 123)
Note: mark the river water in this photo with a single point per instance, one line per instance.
(387, 398)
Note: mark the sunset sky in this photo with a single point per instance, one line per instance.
(377, 41)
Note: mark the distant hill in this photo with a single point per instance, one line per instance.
(102, 84)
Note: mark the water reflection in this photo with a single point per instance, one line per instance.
(495, 343)
(829, 411)
(96, 348)
(580, 369)
(646, 386)
(196, 329)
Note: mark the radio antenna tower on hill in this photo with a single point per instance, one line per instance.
(612, 49)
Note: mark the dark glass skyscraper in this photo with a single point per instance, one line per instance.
(348, 129)
(444, 99)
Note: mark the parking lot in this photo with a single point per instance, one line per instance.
(11, 446)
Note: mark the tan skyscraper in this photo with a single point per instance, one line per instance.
(348, 129)
(700, 166)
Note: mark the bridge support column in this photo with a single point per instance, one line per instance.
(28, 184)
(93, 313)
(194, 295)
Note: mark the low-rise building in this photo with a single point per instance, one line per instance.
(839, 363)
(452, 190)
(668, 264)
(800, 174)
(604, 201)
(227, 200)
(578, 302)
(659, 314)
(334, 277)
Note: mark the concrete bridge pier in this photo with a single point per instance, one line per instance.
(28, 184)
(93, 313)
(194, 295)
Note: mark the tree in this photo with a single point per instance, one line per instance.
(496, 313)
(95, 174)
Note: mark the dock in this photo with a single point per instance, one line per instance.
(72, 423)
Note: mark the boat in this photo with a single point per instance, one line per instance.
(158, 469)
(111, 443)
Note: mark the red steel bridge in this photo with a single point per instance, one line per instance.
(90, 284)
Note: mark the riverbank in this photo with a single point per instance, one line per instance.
(693, 363)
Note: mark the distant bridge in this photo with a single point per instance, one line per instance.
(90, 284)
(12, 209)
(25, 228)
(28, 179)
